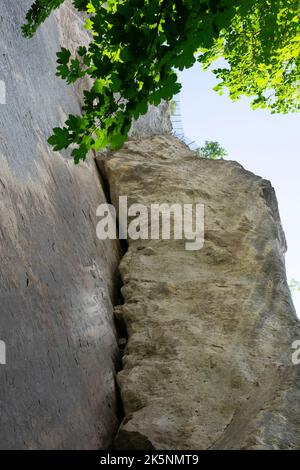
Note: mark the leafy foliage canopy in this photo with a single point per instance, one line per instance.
(294, 285)
(211, 150)
(138, 45)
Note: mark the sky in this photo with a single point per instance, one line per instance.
(264, 143)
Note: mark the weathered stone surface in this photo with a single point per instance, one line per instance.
(57, 280)
(156, 121)
(208, 360)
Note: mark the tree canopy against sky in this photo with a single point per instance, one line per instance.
(138, 45)
(211, 150)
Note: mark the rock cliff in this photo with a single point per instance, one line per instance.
(208, 359)
(208, 363)
(58, 282)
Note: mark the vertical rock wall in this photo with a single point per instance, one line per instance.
(208, 362)
(57, 280)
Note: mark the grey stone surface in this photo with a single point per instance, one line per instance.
(208, 363)
(156, 121)
(57, 280)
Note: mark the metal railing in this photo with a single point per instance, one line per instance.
(177, 126)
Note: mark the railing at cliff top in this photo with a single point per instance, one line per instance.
(177, 126)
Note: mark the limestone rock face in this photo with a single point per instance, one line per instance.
(208, 362)
(156, 121)
(57, 280)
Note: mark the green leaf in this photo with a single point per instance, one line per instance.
(80, 153)
(141, 108)
(63, 56)
(82, 50)
(60, 139)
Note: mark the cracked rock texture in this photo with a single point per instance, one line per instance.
(208, 363)
(57, 280)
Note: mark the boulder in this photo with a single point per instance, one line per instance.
(208, 361)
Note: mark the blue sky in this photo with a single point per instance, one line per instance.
(266, 144)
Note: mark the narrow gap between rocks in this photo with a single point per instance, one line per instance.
(120, 326)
